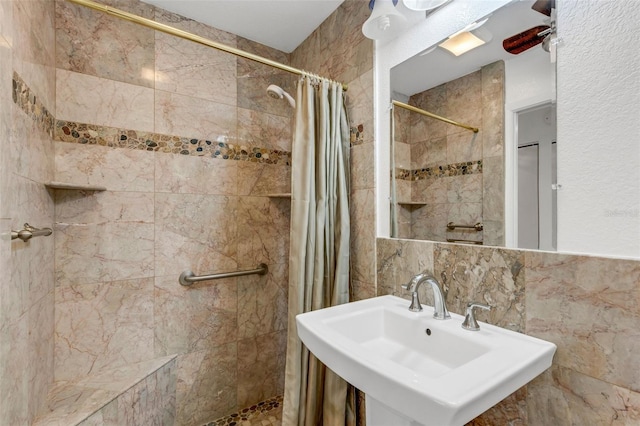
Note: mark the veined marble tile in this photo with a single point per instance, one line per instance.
(464, 100)
(111, 251)
(402, 155)
(564, 396)
(181, 115)
(359, 104)
(33, 47)
(191, 69)
(40, 353)
(14, 370)
(361, 170)
(265, 130)
(149, 402)
(402, 125)
(429, 222)
(510, 411)
(262, 301)
(252, 93)
(493, 189)
(69, 404)
(399, 260)
(197, 232)
(433, 100)
(88, 99)
(206, 387)
(94, 43)
(361, 291)
(432, 190)
(29, 281)
(195, 318)
(261, 363)
(195, 175)
(263, 230)
(92, 207)
(588, 306)
(257, 179)
(6, 24)
(115, 169)
(428, 153)
(30, 149)
(493, 109)
(363, 239)
(403, 190)
(126, 376)
(487, 275)
(464, 146)
(248, 68)
(101, 326)
(465, 188)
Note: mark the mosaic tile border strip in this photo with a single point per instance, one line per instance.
(92, 134)
(249, 413)
(24, 97)
(455, 169)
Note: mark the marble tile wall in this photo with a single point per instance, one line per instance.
(26, 151)
(188, 145)
(457, 174)
(337, 49)
(585, 305)
(142, 393)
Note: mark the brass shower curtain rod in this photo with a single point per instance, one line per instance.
(188, 36)
(432, 115)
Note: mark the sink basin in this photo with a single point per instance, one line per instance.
(431, 371)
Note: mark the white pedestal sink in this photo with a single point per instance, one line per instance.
(416, 370)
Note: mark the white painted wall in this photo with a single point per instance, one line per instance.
(599, 127)
(598, 87)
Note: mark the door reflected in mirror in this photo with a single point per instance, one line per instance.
(448, 183)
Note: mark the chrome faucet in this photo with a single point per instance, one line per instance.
(439, 305)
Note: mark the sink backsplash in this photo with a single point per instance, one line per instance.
(586, 305)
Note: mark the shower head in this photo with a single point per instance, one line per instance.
(278, 92)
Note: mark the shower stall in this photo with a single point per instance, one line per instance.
(147, 155)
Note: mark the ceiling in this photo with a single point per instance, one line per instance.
(438, 66)
(281, 24)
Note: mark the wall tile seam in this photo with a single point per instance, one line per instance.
(90, 134)
(453, 169)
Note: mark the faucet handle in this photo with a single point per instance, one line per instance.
(470, 322)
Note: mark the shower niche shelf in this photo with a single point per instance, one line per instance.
(74, 186)
(280, 195)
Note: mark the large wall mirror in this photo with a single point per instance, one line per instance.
(531, 175)
(448, 176)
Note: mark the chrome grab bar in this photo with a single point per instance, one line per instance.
(477, 227)
(187, 277)
(29, 232)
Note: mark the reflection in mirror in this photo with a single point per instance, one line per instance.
(448, 182)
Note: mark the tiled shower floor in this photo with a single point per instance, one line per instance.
(265, 413)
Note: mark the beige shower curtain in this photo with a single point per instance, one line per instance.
(319, 259)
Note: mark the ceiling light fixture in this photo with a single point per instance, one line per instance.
(468, 38)
(385, 21)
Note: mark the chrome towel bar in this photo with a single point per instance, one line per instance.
(187, 277)
(477, 227)
(29, 232)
